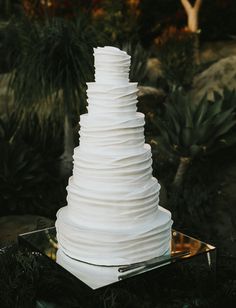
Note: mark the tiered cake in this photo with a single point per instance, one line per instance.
(112, 217)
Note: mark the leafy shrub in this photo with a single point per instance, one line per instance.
(188, 130)
(46, 139)
(51, 71)
(21, 176)
(9, 47)
(30, 280)
(176, 52)
(56, 54)
(117, 21)
(19, 275)
(139, 57)
(29, 164)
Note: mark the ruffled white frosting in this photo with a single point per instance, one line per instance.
(112, 217)
(93, 275)
(111, 65)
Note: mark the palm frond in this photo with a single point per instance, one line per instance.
(56, 61)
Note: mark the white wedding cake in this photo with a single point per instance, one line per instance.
(112, 217)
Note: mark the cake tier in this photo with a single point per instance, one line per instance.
(102, 133)
(117, 186)
(112, 100)
(111, 65)
(114, 206)
(124, 166)
(119, 246)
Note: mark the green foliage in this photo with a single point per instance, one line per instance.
(46, 139)
(176, 52)
(9, 46)
(118, 22)
(30, 280)
(21, 175)
(56, 55)
(197, 195)
(139, 57)
(54, 63)
(29, 161)
(18, 285)
(188, 129)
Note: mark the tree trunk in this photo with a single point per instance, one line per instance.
(182, 168)
(193, 22)
(66, 158)
(192, 13)
(197, 48)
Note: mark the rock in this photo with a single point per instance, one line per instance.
(153, 69)
(149, 98)
(156, 93)
(218, 76)
(209, 52)
(12, 226)
(214, 51)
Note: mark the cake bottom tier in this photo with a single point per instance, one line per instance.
(114, 247)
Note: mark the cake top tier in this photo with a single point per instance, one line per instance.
(112, 65)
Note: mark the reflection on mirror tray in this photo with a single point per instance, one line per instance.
(95, 276)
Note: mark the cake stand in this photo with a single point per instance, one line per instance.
(183, 249)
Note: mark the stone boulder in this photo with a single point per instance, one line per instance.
(214, 51)
(153, 69)
(218, 76)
